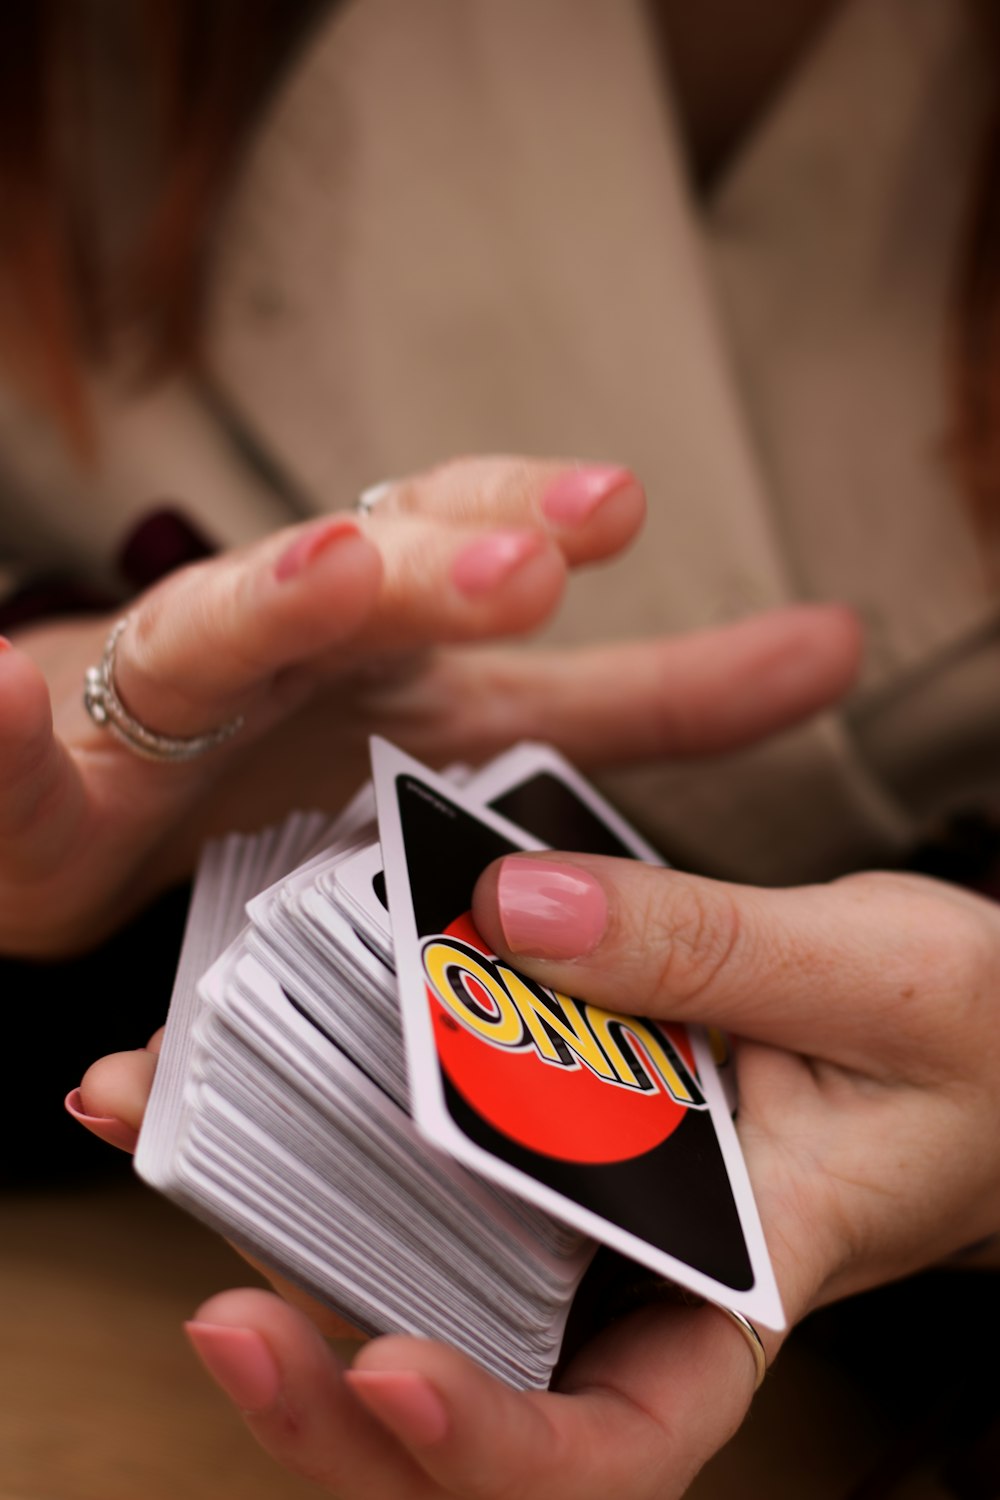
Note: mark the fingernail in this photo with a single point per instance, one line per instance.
(485, 563)
(5, 644)
(549, 910)
(238, 1360)
(309, 544)
(404, 1402)
(107, 1127)
(576, 494)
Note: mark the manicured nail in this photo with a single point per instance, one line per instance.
(238, 1360)
(107, 1127)
(485, 563)
(576, 494)
(5, 644)
(404, 1402)
(308, 545)
(549, 910)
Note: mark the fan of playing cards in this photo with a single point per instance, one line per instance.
(354, 1089)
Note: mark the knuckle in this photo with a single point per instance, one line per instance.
(245, 635)
(693, 936)
(152, 618)
(479, 487)
(403, 497)
(196, 636)
(445, 483)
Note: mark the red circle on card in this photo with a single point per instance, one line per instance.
(574, 1112)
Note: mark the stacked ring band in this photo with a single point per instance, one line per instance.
(105, 707)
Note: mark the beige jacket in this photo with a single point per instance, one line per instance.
(466, 227)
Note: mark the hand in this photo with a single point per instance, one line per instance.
(868, 1017)
(318, 635)
(643, 1406)
(328, 632)
(711, 690)
(636, 1414)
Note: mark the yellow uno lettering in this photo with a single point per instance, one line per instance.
(439, 959)
(663, 1059)
(541, 1021)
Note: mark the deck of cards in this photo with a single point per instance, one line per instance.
(354, 1089)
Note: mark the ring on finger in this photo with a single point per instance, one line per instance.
(753, 1342)
(105, 707)
(369, 498)
(642, 1287)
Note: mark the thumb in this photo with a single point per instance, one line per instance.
(813, 969)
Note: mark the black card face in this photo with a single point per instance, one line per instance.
(604, 1110)
(553, 812)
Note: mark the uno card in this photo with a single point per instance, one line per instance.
(614, 1124)
(537, 788)
(532, 786)
(357, 886)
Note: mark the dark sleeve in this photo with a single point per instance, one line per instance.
(62, 1017)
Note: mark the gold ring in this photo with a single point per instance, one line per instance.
(753, 1342)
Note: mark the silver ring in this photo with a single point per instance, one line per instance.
(369, 498)
(101, 700)
(753, 1342)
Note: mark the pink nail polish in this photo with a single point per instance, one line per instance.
(549, 910)
(485, 563)
(115, 1132)
(310, 543)
(404, 1402)
(240, 1361)
(576, 494)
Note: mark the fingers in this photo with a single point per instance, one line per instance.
(41, 796)
(111, 1100)
(203, 643)
(698, 694)
(877, 974)
(457, 583)
(205, 640)
(636, 1417)
(276, 1368)
(592, 510)
(644, 1406)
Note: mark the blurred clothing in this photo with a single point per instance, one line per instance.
(467, 227)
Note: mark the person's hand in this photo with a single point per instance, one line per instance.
(645, 1404)
(327, 632)
(321, 635)
(635, 1416)
(867, 1014)
(711, 690)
